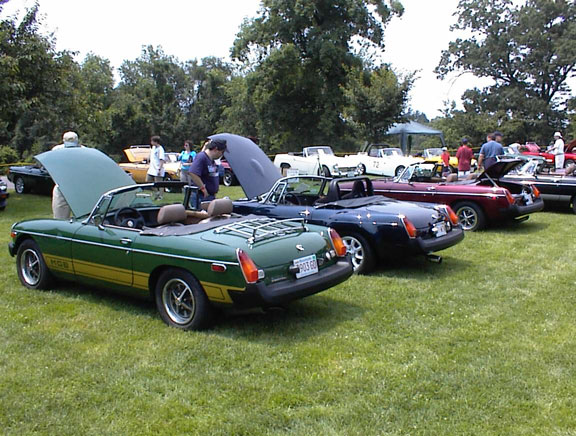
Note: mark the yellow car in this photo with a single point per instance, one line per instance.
(435, 155)
(138, 157)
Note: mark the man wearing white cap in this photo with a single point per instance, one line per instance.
(60, 208)
(558, 151)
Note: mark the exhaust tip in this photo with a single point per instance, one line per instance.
(434, 258)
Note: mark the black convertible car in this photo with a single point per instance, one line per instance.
(372, 226)
(554, 187)
(30, 178)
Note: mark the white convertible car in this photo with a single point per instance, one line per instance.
(382, 160)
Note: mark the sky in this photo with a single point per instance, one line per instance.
(192, 29)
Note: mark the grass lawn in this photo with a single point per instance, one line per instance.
(484, 343)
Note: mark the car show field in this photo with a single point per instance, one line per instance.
(490, 331)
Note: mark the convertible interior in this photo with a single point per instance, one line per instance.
(169, 215)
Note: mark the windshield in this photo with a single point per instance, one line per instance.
(391, 152)
(431, 152)
(139, 197)
(286, 189)
(421, 173)
(315, 150)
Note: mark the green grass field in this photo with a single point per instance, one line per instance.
(484, 343)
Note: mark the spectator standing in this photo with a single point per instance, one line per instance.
(156, 169)
(204, 169)
(445, 156)
(60, 208)
(558, 151)
(186, 157)
(489, 150)
(464, 156)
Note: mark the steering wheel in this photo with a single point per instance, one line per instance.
(292, 198)
(129, 217)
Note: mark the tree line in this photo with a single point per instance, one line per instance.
(301, 73)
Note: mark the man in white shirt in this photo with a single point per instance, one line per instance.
(157, 159)
(558, 151)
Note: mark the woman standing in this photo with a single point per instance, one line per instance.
(186, 157)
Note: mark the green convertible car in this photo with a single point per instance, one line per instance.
(140, 239)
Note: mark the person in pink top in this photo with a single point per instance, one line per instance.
(464, 155)
(445, 160)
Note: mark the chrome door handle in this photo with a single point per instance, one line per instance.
(125, 241)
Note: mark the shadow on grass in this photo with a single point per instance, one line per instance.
(295, 321)
(419, 267)
(518, 228)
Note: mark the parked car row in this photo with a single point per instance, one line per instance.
(291, 237)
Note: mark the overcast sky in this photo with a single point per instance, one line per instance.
(193, 29)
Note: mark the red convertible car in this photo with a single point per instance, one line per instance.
(476, 202)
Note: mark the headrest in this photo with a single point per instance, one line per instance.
(220, 206)
(171, 213)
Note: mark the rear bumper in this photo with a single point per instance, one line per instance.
(431, 245)
(263, 295)
(517, 211)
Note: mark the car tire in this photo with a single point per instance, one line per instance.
(31, 267)
(399, 169)
(360, 252)
(574, 204)
(568, 162)
(20, 186)
(181, 301)
(324, 171)
(362, 169)
(470, 215)
(229, 178)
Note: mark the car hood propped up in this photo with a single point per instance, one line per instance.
(500, 168)
(254, 170)
(83, 175)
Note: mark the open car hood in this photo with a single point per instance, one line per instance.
(83, 175)
(254, 170)
(500, 168)
(137, 153)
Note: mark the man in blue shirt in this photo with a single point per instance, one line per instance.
(489, 150)
(204, 171)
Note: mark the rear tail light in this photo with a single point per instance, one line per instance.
(509, 197)
(338, 243)
(410, 228)
(452, 215)
(248, 267)
(535, 191)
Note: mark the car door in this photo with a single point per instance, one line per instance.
(103, 254)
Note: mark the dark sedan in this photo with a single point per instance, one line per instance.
(373, 227)
(3, 195)
(30, 178)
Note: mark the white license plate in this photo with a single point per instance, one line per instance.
(306, 265)
(440, 229)
(351, 174)
(528, 199)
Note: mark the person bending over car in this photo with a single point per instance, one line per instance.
(204, 171)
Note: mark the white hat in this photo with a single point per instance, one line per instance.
(444, 148)
(70, 137)
(557, 135)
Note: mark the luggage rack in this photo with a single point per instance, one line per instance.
(262, 228)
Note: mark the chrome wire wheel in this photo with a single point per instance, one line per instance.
(178, 301)
(30, 267)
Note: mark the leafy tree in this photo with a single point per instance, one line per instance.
(528, 51)
(299, 54)
(375, 101)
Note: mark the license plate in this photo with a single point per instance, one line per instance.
(306, 266)
(440, 229)
(351, 174)
(528, 199)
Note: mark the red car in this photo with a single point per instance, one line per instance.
(569, 158)
(476, 202)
